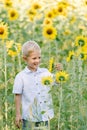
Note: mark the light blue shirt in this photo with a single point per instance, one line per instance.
(36, 100)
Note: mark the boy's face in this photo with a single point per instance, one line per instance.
(33, 60)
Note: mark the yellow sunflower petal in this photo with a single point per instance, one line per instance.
(47, 80)
(3, 30)
(70, 56)
(61, 76)
(51, 64)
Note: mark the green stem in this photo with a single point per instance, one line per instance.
(60, 106)
(49, 125)
(71, 113)
(13, 67)
(5, 76)
(49, 49)
(19, 61)
(57, 51)
(80, 101)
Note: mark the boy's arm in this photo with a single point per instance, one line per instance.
(18, 119)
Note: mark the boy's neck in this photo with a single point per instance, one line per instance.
(33, 70)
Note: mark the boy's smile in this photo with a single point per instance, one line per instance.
(33, 60)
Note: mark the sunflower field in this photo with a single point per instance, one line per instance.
(60, 28)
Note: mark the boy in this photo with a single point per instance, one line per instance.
(28, 89)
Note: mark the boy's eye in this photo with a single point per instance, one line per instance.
(36, 58)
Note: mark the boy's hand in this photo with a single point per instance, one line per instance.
(59, 66)
(18, 121)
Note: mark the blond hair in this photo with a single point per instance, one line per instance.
(30, 46)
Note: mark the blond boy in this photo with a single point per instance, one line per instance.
(35, 98)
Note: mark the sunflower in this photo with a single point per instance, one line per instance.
(13, 14)
(82, 54)
(31, 13)
(49, 14)
(47, 21)
(3, 30)
(8, 3)
(67, 32)
(9, 44)
(84, 49)
(70, 56)
(85, 2)
(51, 64)
(61, 10)
(72, 19)
(81, 41)
(47, 80)
(61, 76)
(54, 11)
(35, 6)
(12, 53)
(49, 32)
(64, 3)
(13, 49)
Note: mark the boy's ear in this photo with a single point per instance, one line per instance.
(24, 58)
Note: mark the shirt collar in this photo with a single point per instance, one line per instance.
(27, 70)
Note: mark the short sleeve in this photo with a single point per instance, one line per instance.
(18, 85)
(47, 73)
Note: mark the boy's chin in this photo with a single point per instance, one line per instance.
(35, 68)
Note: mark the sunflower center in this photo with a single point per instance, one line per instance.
(49, 31)
(12, 14)
(47, 22)
(81, 42)
(31, 12)
(62, 78)
(13, 48)
(82, 55)
(36, 6)
(52, 66)
(49, 15)
(47, 82)
(71, 57)
(8, 4)
(1, 30)
(60, 9)
(86, 2)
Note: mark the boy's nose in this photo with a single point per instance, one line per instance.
(37, 60)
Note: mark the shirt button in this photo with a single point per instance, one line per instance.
(40, 102)
(36, 83)
(38, 93)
